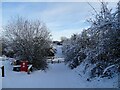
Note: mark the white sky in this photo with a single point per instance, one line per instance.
(58, 0)
(62, 19)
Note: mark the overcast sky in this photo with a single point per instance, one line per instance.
(61, 18)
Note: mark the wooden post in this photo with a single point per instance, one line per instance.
(29, 69)
(2, 71)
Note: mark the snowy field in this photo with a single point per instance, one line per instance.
(57, 76)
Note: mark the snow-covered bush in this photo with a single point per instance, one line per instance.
(29, 40)
(74, 49)
(99, 44)
(108, 45)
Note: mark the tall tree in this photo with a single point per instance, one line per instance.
(29, 40)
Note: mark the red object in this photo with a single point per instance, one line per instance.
(24, 66)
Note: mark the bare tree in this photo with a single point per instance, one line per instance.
(29, 40)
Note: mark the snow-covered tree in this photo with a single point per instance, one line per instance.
(118, 15)
(107, 39)
(99, 45)
(29, 40)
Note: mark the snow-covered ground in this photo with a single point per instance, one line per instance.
(58, 55)
(59, 51)
(57, 76)
(0, 73)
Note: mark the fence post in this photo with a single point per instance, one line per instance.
(2, 71)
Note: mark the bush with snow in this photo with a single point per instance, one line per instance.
(99, 44)
(29, 40)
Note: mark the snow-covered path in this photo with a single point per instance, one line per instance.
(57, 76)
(59, 52)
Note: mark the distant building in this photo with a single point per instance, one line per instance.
(57, 42)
